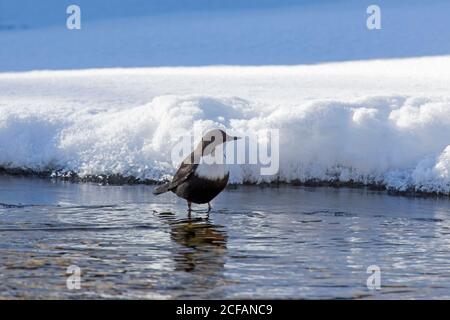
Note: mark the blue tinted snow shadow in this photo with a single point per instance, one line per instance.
(142, 33)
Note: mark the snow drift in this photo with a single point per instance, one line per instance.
(125, 122)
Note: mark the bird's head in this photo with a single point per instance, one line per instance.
(214, 138)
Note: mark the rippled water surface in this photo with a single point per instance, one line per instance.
(287, 242)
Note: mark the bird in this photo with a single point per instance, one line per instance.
(199, 179)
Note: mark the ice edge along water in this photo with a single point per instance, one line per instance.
(334, 126)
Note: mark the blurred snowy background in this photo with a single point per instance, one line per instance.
(140, 33)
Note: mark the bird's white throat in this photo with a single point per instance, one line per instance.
(207, 169)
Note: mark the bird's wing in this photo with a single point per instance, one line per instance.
(183, 173)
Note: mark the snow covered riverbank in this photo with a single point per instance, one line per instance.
(383, 122)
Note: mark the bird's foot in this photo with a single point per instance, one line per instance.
(190, 210)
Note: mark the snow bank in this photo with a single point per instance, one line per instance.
(375, 122)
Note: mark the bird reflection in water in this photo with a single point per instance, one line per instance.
(199, 254)
(200, 245)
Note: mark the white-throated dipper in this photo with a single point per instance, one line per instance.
(200, 177)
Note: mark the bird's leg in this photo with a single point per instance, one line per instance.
(189, 206)
(209, 207)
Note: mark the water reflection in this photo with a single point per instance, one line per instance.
(278, 243)
(199, 255)
(201, 245)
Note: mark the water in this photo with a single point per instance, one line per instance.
(287, 242)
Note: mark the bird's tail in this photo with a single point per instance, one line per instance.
(162, 188)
